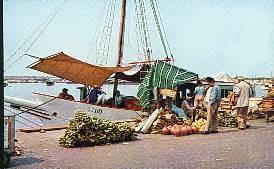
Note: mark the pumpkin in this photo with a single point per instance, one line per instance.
(177, 132)
(184, 130)
(189, 129)
(195, 130)
(165, 131)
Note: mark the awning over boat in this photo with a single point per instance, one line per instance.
(165, 76)
(69, 68)
(135, 74)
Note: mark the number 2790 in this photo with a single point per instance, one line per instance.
(94, 110)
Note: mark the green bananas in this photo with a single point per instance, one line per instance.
(85, 130)
(226, 119)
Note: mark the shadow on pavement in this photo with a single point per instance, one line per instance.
(24, 161)
(228, 131)
(256, 127)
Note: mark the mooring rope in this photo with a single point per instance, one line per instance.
(32, 43)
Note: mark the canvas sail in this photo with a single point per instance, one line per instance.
(165, 76)
(69, 68)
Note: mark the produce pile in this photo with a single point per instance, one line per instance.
(226, 119)
(85, 130)
(200, 124)
(180, 130)
(168, 121)
(165, 119)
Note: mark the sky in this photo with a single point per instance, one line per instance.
(205, 36)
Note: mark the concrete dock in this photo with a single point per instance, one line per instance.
(230, 148)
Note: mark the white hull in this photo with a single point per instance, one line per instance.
(56, 112)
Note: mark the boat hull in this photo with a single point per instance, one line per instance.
(61, 111)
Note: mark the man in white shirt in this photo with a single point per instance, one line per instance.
(212, 107)
(242, 93)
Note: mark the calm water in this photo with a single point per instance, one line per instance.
(24, 90)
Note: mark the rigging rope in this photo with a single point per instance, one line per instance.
(142, 29)
(32, 43)
(96, 31)
(23, 117)
(163, 29)
(32, 108)
(24, 123)
(29, 37)
(103, 46)
(155, 10)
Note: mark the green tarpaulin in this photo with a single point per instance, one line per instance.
(162, 75)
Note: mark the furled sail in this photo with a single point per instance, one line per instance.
(69, 68)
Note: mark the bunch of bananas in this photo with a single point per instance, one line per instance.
(200, 124)
(84, 130)
(226, 119)
(187, 122)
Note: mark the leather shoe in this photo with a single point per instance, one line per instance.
(215, 131)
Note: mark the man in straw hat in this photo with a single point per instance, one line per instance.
(242, 93)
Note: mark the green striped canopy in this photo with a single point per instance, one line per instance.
(162, 75)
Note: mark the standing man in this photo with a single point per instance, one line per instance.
(242, 93)
(199, 94)
(212, 108)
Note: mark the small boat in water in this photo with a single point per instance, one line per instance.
(5, 84)
(49, 82)
(266, 86)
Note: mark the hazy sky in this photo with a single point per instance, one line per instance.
(205, 36)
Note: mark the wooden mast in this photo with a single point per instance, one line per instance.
(120, 44)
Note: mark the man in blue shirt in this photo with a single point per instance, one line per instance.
(199, 94)
(96, 96)
(212, 108)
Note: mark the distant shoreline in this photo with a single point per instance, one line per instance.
(24, 82)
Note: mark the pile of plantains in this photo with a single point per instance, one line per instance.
(226, 119)
(85, 130)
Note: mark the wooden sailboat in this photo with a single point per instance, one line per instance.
(55, 111)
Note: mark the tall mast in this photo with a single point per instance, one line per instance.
(120, 44)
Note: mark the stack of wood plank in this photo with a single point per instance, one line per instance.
(225, 105)
(268, 104)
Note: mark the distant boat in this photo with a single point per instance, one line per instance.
(5, 84)
(265, 87)
(49, 82)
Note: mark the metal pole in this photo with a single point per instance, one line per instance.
(120, 44)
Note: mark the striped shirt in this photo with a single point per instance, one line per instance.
(215, 95)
